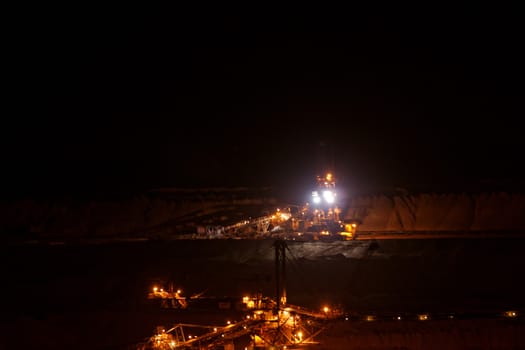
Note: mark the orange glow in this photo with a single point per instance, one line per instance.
(511, 313)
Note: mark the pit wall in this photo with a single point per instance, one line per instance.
(439, 212)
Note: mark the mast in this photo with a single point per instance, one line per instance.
(280, 273)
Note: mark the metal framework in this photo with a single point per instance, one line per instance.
(271, 323)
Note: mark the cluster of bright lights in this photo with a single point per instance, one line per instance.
(315, 197)
(328, 197)
(161, 290)
(511, 314)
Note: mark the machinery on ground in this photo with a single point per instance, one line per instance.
(171, 298)
(269, 323)
(319, 219)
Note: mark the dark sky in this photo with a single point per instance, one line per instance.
(128, 99)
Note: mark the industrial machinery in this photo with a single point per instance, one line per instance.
(324, 210)
(319, 219)
(171, 298)
(269, 323)
(258, 227)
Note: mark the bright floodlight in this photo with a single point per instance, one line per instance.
(315, 197)
(328, 196)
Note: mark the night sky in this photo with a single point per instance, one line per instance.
(126, 100)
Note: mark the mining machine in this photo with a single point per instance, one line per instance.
(171, 298)
(269, 323)
(319, 219)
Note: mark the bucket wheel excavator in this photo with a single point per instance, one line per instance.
(319, 219)
(269, 323)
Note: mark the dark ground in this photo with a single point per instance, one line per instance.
(94, 296)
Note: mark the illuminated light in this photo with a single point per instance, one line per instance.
(215, 329)
(299, 336)
(398, 318)
(155, 289)
(162, 290)
(354, 225)
(315, 197)
(179, 291)
(326, 309)
(370, 318)
(422, 317)
(285, 216)
(346, 234)
(511, 314)
(329, 177)
(329, 196)
(228, 322)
